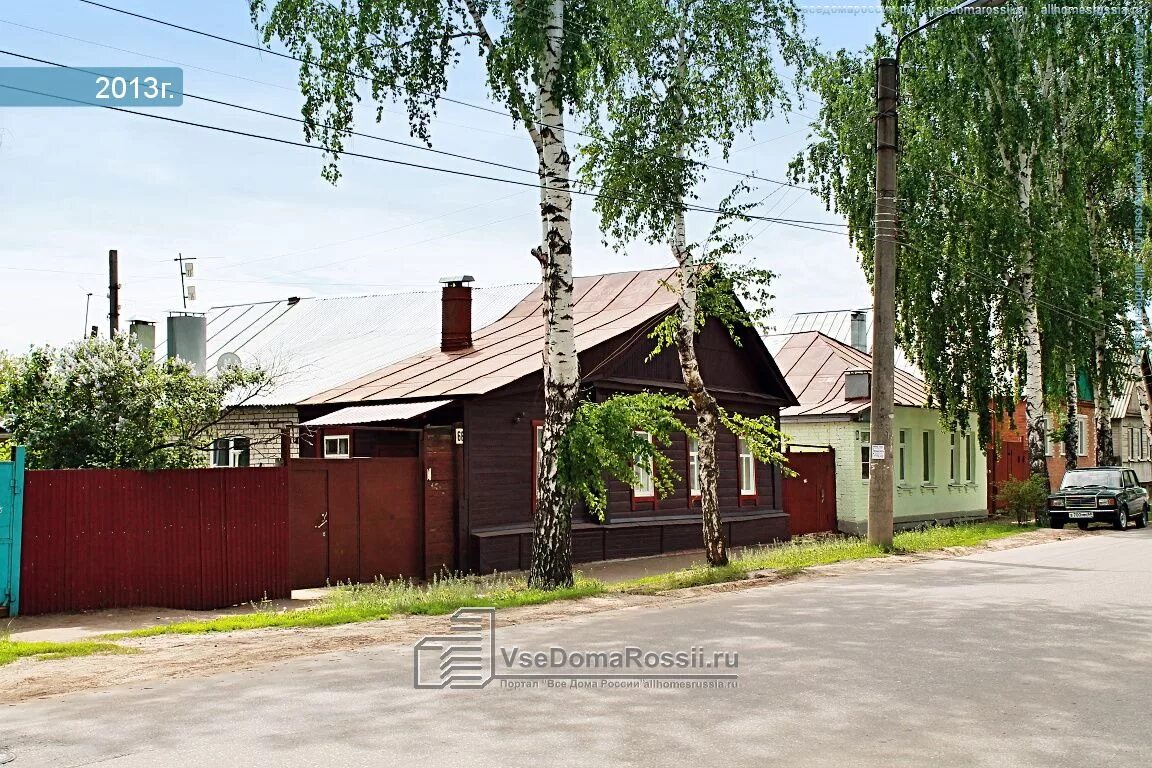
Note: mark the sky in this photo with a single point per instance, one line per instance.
(261, 222)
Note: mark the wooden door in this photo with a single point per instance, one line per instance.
(810, 496)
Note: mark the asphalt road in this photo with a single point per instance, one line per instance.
(1036, 656)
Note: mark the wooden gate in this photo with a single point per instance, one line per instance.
(1010, 462)
(810, 496)
(355, 520)
(11, 516)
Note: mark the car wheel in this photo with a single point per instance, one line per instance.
(1121, 520)
(1142, 521)
(1082, 525)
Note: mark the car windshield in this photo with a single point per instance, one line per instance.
(1092, 479)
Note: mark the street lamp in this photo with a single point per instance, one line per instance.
(882, 403)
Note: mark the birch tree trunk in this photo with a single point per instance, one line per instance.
(1033, 360)
(1071, 438)
(703, 403)
(552, 531)
(1105, 448)
(1034, 378)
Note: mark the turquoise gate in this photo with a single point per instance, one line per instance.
(11, 519)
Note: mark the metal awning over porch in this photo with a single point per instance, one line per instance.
(371, 414)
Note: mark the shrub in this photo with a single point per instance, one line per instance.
(1026, 499)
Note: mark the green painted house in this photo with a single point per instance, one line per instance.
(940, 476)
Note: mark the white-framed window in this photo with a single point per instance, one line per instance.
(747, 468)
(337, 447)
(1081, 435)
(864, 437)
(231, 452)
(693, 466)
(537, 455)
(928, 451)
(1048, 444)
(902, 456)
(953, 459)
(969, 458)
(644, 486)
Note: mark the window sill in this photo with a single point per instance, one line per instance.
(928, 486)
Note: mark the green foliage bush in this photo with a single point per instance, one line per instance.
(109, 403)
(1027, 499)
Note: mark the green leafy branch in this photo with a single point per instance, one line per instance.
(604, 439)
(762, 436)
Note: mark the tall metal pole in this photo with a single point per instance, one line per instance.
(113, 294)
(880, 486)
(87, 306)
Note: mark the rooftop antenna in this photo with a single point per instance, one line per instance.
(187, 270)
(87, 305)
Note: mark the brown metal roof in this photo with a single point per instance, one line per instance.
(606, 306)
(814, 366)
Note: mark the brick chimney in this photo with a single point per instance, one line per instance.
(456, 313)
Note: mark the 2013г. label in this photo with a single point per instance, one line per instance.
(119, 87)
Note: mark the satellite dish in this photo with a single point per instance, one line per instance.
(228, 361)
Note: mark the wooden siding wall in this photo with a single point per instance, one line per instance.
(499, 440)
(723, 364)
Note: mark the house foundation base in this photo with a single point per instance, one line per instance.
(860, 527)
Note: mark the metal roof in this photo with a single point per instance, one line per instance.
(814, 365)
(370, 414)
(1133, 387)
(837, 324)
(313, 344)
(606, 306)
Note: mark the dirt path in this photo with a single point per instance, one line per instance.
(201, 655)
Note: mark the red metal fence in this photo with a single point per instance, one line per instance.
(194, 539)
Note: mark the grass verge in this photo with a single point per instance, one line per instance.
(369, 602)
(795, 556)
(10, 650)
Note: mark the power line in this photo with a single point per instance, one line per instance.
(350, 73)
(816, 226)
(221, 73)
(301, 121)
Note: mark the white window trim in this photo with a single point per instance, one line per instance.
(233, 452)
(1081, 435)
(693, 467)
(640, 489)
(864, 468)
(902, 456)
(747, 463)
(346, 454)
(1048, 444)
(928, 448)
(953, 460)
(969, 459)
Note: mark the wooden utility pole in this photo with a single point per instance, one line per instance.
(113, 294)
(883, 310)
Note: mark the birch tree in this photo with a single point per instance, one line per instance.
(404, 50)
(678, 80)
(990, 294)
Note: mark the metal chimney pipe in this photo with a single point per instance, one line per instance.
(860, 331)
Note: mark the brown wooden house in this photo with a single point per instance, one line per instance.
(462, 420)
